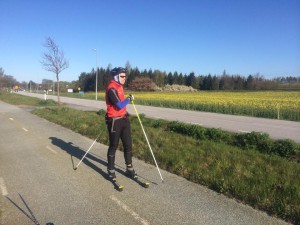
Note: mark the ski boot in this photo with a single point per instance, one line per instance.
(113, 178)
(111, 174)
(130, 172)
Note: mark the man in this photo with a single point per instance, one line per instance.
(118, 124)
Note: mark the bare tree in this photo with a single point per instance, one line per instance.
(54, 61)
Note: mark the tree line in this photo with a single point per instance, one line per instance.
(199, 82)
(224, 82)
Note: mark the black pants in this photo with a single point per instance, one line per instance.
(119, 128)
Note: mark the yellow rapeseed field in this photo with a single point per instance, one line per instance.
(269, 104)
(284, 105)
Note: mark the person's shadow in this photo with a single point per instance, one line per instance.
(78, 153)
(31, 216)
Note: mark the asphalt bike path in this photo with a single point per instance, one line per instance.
(277, 129)
(39, 185)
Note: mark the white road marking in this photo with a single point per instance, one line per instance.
(199, 124)
(25, 129)
(11, 118)
(243, 131)
(55, 152)
(3, 187)
(130, 211)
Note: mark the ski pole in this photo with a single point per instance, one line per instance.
(87, 152)
(147, 140)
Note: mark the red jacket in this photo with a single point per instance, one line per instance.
(113, 110)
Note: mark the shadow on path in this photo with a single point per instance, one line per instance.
(31, 216)
(78, 153)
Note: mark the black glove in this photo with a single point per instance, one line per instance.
(131, 97)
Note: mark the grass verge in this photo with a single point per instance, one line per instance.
(20, 100)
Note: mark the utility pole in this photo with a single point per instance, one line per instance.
(96, 72)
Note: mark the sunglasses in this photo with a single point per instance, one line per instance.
(123, 76)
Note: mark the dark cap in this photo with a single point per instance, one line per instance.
(117, 70)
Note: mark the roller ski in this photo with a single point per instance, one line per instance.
(112, 177)
(132, 175)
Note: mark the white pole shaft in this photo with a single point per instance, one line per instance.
(87, 152)
(147, 141)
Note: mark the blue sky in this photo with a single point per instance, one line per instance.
(201, 36)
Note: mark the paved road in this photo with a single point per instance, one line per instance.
(277, 129)
(36, 163)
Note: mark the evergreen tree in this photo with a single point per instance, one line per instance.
(180, 79)
(238, 83)
(170, 79)
(175, 78)
(250, 83)
(207, 83)
(150, 74)
(190, 80)
(215, 83)
(222, 83)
